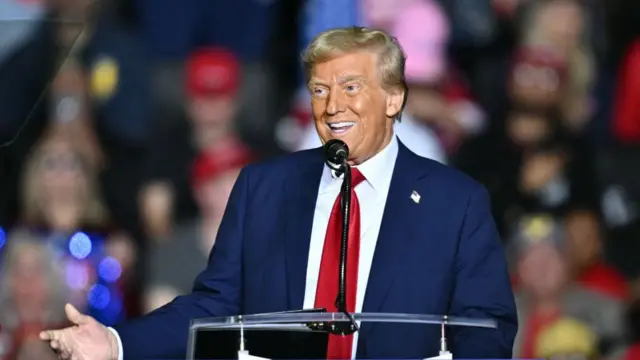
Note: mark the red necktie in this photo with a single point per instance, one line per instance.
(340, 346)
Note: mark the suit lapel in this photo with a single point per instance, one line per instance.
(395, 238)
(302, 193)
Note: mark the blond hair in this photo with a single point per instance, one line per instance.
(95, 213)
(340, 41)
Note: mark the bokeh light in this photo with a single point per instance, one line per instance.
(99, 296)
(80, 245)
(110, 269)
(3, 237)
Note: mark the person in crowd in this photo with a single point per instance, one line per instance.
(176, 261)
(559, 26)
(33, 291)
(59, 192)
(584, 235)
(545, 292)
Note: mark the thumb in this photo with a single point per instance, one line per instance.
(75, 316)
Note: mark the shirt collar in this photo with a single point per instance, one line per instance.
(376, 170)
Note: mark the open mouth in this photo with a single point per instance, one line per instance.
(341, 127)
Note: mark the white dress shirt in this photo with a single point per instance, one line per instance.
(372, 196)
(418, 137)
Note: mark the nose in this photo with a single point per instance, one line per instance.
(335, 103)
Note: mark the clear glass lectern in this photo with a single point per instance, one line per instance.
(226, 337)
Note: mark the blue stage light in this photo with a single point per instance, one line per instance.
(99, 296)
(110, 269)
(80, 245)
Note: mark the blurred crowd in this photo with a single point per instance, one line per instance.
(124, 124)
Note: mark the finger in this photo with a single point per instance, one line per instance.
(49, 335)
(75, 316)
(55, 344)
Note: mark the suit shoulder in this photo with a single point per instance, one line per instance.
(453, 178)
(283, 164)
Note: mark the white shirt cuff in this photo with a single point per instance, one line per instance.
(115, 333)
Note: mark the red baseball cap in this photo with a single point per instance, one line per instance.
(212, 71)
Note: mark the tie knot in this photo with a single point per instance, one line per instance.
(356, 177)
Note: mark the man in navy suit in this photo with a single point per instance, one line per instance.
(422, 237)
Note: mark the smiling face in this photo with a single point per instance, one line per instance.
(351, 104)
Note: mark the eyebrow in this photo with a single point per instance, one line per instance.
(349, 78)
(341, 80)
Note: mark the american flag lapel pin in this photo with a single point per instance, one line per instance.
(415, 197)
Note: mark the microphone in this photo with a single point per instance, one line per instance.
(336, 153)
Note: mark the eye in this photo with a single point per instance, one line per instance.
(319, 92)
(352, 88)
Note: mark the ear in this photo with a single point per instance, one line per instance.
(395, 101)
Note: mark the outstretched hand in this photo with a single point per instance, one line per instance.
(87, 339)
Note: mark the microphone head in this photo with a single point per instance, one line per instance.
(336, 152)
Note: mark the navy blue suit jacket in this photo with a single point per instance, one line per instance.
(440, 256)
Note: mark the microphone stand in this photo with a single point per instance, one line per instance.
(343, 328)
(337, 161)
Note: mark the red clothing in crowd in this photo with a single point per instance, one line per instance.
(536, 323)
(626, 117)
(633, 353)
(604, 279)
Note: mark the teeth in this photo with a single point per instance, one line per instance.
(342, 124)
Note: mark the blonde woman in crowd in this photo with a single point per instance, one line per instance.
(32, 291)
(59, 190)
(559, 25)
